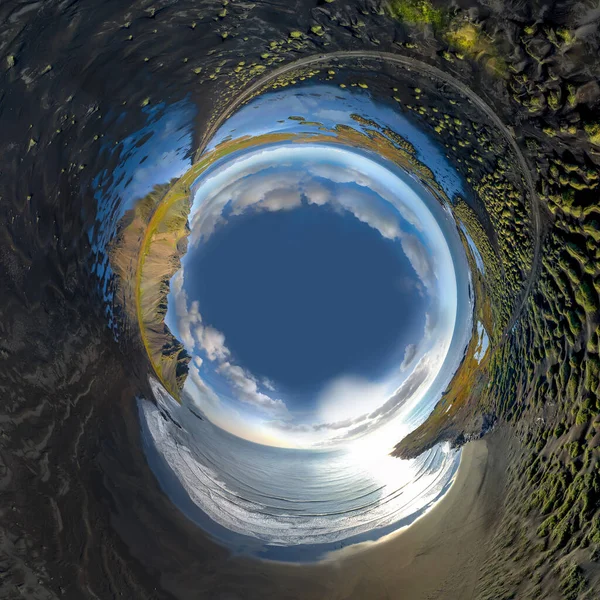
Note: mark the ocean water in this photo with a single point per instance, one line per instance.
(286, 504)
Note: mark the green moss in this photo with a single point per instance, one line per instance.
(582, 417)
(572, 581)
(417, 12)
(587, 297)
(592, 371)
(466, 38)
(574, 449)
(574, 323)
(593, 133)
(566, 35)
(553, 100)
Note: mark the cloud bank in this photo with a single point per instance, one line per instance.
(282, 179)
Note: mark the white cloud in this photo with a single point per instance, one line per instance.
(212, 341)
(206, 394)
(362, 206)
(281, 199)
(256, 184)
(349, 397)
(369, 408)
(316, 193)
(257, 187)
(420, 259)
(185, 318)
(424, 372)
(252, 191)
(267, 383)
(409, 354)
(342, 174)
(260, 186)
(431, 322)
(316, 427)
(247, 389)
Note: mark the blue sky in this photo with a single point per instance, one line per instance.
(307, 295)
(284, 178)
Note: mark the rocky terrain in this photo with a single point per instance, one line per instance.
(144, 256)
(81, 515)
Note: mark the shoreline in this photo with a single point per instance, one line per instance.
(345, 552)
(440, 553)
(359, 547)
(439, 556)
(244, 545)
